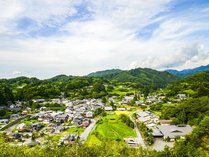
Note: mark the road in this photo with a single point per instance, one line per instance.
(87, 131)
(139, 136)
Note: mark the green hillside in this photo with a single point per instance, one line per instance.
(195, 86)
(142, 77)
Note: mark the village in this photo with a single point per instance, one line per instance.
(77, 119)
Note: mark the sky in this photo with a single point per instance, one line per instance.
(44, 38)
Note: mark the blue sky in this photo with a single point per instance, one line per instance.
(43, 38)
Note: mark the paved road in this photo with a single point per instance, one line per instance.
(139, 136)
(87, 131)
(159, 144)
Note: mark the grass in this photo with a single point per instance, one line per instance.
(122, 91)
(93, 140)
(110, 128)
(118, 113)
(77, 131)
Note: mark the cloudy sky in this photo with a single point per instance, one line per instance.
(44, 38)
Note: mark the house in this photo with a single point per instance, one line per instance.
(89, 114)
(21, 127)
(173, 131)
(35, 126)
(85, 123)
(165, 122)
(148, 118)
(131, 142)
(58, 129)
(14, 116)
(182, 96)
(108, 108)
(143, 114)
(25, 112)
(43, 109)
(38, 100)
(17, 135)
(4, 121)
(121, 109)
(156, 132)
(68, 139)
(61, 118)
(77, 120)
(140, 102)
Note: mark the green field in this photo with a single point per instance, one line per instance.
(77, 131)
(110, 128)
(122, 91)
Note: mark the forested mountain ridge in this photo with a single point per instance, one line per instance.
(188, 72)
(105, 72)
(141, 76)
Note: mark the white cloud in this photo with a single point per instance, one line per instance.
(108, 38)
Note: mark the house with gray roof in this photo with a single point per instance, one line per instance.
(173, 131)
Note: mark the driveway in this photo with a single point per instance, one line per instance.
(87, 131)
(139, 136)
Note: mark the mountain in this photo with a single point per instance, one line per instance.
(105, 72)
(196, 85)
(188, 72)
(141, 76)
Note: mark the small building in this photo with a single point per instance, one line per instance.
(21, 127)
(68, 139)
(36, 126)
(4, 121)
(108, 108)
(17, 135)
(121, 109)
(156, 132)
(59, 129)
(173, 131)
(182, 96)
(14, 116)
(131, 142)
(61, 118)
(165, 122)
(89, 114)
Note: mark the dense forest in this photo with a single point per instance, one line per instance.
(142, 77)
(92, 86)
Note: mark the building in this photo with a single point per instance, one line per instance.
(121, 109)
(108, 108)
(165, 122)
(148, 118)
(89, 114)
(21, 127)
(173, 131)
(131, 142)
(182, 96)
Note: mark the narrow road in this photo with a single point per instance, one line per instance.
(87, 131)
(139, 136)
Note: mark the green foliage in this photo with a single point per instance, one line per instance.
(56, 107)
(108, 148)
(2, 113)
(190, 111)
(147, 79)
(126, 119)
(195, 86)
(146, 133)
(5, 94)
(99, 111)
